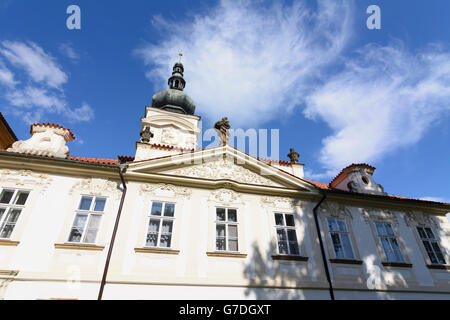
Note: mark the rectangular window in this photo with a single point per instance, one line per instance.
(160, 226)
(340, 238)
(389, 242)
(431, 245)
(226, 229)
(87, 220)
(12, 202)
(286, 235)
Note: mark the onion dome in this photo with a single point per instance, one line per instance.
(174, 99)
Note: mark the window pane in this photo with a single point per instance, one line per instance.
(153, 226)
(281, 235)
(220, 214)
(380, 229)
(232, 215)
(13, 216)
(151, 240)
(283, 247)
(293, 247)
(337, 245)
(100, 204)
(342, 226)
(232, 245)
(290, 220)
(165, 241)
(80, 220)
(94, 222)
(387, 249)
(279, 219)
(396, 248)
(430, 252)
(156, 208)
(389, 230)
(167, 226)
(232, 231)
(332, 225)
(90, 236)
(347, 246)
(6, 196)
(422, 233)
(75, 235)
(2, 211)
(169, 209)
(429, 233)
(22, 198)
(438, 252)
(7, 230)
(85, 203)
(220, 230)
(220, 244)
(292, 235)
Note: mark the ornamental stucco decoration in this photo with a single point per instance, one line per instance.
(46, 140)
(225, 196)
(336, 209)
(164, 189)
(280, 203)
(413, 218)
(96, 187)
(224, 169)
(374, 214)
(25, 177)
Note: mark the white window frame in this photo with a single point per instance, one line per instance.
(285, 229)
(430, 240)
(227, 223)
(90, 213)
(161, 219)
(389, 237)
(9, 207)
(340, 233)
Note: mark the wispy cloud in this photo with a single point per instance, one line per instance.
(42, 91)
(248, 61)
(384, 99)
(40, 66)
(67, 50)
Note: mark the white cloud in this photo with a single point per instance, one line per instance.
(67, 50)
(6, 76)
(39, 65)
(248, 61)
(384, 99)
(43, 95)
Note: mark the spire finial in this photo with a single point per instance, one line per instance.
(180, 54)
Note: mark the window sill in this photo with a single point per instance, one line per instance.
(346, 261)
(397, 264)
(439, 266)
(156, 250)
(226, 254)
(9, 243)
(289, 257)
(80, 246)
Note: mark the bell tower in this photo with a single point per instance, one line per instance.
(170, 126)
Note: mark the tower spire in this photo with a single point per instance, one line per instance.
(176, 81)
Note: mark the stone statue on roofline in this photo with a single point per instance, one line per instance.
(223, 127)
(146, 135)
(293, 156)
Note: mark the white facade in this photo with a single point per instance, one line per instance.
(38, 260)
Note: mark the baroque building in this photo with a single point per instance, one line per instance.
(178, 222)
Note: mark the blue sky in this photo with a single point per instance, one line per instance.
(337, 91)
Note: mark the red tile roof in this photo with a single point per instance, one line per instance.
(94, 160)
(352, 165)
(53, 125)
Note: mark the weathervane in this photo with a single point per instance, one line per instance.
(180, 54)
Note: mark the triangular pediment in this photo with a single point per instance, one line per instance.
(221, 164)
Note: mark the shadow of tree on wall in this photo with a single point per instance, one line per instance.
(270, 279)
